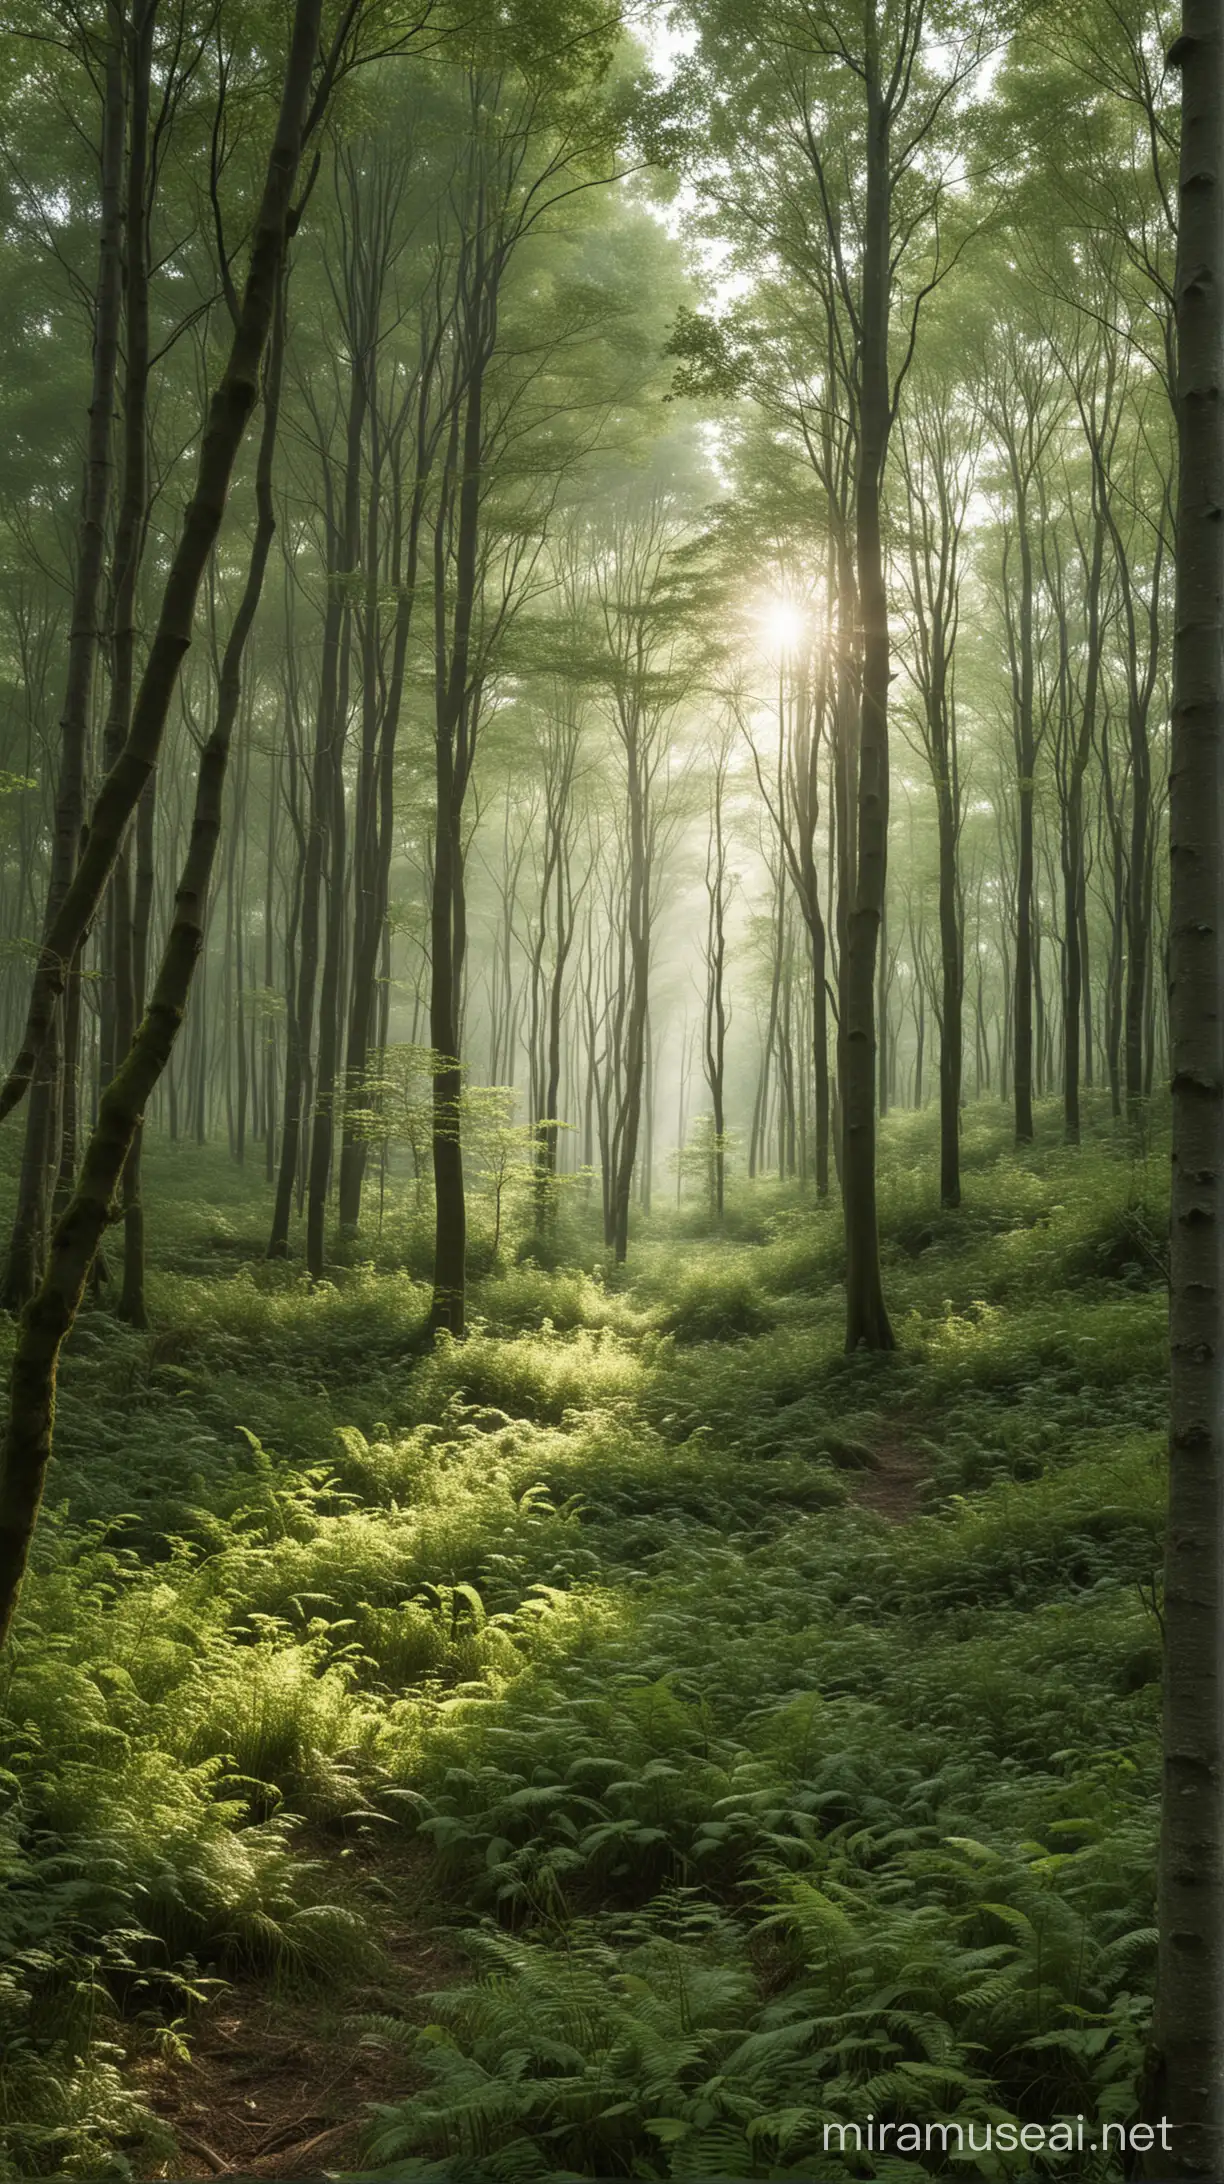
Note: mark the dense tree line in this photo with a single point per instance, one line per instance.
(942, 499)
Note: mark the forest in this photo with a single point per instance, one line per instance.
(611, 1090)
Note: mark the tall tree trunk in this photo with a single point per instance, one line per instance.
(453, 731)
(883, 1030)
(300, 1022)
(333, 737)
(1187, 2061)
(269, 979)
(371, 935)
(1115, 905)
(1138, 918)
(327, 1063)
(867, 1320)
(952, 1003)
(629, 1114)
(715, 1041)
(132, 1307)
(1026, 759)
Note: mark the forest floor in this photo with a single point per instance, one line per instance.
(615, 1745)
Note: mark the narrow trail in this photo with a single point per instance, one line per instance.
(892, 1485)
(279, 2077)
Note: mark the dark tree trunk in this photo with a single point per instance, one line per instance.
(1187, 2060)
(1138, 916)
(132, 1295)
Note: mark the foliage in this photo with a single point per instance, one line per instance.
(757, 1810)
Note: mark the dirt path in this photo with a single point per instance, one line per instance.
(893, 1484)
(278, 2076)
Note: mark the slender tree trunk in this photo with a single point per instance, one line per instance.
(1117, 941)
(952, 1003)
(1073, 961)
(1077, 999)
(646, 1171)
(629, 1117)
(242, 1089)
(333, 727)
(132, 1307)
(450, 1236)
(322, 1130)
(867, 1321)
(884, 1056)
(269, 977)
(1026, 759)
(1040, 1024)
(455, 702)
(71, 1081)
(300, 1021)
(1138, 919)
(715, 1045)
(820, 1050)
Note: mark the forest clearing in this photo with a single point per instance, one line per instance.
(612, 1090)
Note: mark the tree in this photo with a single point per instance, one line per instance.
(718, 882)
(1024, 417)
(1187, 2062)
(938, 448)
(648, 675)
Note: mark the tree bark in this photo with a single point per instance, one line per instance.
(1186, 2079)
(867, 1321)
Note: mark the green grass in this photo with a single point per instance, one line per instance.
(750, 1809)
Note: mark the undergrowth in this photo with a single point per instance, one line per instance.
(753, 1810)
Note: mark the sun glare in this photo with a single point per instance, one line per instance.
(783, 625)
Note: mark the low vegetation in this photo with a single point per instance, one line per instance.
(746, 1807)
